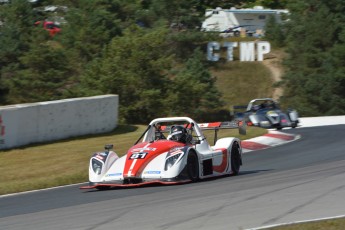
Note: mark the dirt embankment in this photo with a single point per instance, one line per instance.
(273, 61)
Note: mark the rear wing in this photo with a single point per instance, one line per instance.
(224, 125)
(237, 111)
(216, 126)
(209, 126)
(237, 108)
(240, 107)
(219, 125)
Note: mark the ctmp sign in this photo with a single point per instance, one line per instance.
(247, 50)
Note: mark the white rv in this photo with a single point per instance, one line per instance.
(251, 19)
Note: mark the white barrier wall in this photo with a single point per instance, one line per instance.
(24, 124)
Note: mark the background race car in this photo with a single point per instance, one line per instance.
(265, 113)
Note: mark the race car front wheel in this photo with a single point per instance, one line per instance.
(193, 167)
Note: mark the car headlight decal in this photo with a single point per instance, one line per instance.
(172, 157)
(97, 166)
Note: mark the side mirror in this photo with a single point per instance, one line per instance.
(108, 147)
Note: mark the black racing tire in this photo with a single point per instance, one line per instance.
(236, 160)
(193, 166)
(103, 188)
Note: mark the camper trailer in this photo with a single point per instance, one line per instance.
(249, 20)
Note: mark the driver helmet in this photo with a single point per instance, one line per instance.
(256, 107)
(178, 133)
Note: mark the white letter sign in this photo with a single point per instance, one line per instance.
(247, 51)
(263, 48)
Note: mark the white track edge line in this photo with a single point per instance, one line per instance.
(297, 222)
(38, 190)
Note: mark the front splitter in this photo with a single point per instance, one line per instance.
(154, 182)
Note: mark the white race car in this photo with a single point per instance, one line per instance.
(265, 113)
(170, 151)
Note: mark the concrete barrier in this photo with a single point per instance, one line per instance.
(24, 124)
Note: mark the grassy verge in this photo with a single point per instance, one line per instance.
(241, 82)
(66, 162)
(332, 224)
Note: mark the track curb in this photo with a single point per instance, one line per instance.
(271, 139)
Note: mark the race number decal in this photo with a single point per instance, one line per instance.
(138, 156)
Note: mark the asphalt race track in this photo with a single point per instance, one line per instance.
(297, 181)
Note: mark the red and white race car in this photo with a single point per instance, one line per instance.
(170, 151)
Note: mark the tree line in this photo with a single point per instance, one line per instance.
(144, 51)
(314, 39)
(151, 53)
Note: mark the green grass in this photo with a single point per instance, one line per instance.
(59, 163)
(331, 224)
(241, 82)
(66, 162)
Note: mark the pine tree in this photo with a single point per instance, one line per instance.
(193, 90)
(44, 74)
(314, 82)
(135, 67)
(274, 32)
(17, 23)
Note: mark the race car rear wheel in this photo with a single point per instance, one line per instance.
(193, 167)
(236, 161)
